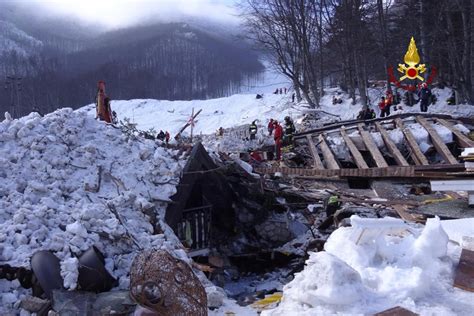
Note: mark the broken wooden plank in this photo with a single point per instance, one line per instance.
(460, 138)
(416, 152)
(330, 160)
(432, 172)
(402, 211)
(318, 164)
(392, 148)
(464, 274)
(438, 143)
(396, 311)
(359, 160)
(372, 147)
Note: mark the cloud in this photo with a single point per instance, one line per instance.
(115, 13)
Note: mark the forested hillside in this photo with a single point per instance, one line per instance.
(44, 68)
(351, 42)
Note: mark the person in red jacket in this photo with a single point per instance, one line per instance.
(384, 107)
(271, 126)
(167, 138)
(277, 137)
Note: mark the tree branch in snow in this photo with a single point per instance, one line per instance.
(119, 218)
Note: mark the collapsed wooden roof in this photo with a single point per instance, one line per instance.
(201, 172)
(374, 163)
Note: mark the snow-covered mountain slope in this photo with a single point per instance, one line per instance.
(52, 197)
(12, 39)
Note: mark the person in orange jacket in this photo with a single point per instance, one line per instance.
(278, 139)
(103, 110)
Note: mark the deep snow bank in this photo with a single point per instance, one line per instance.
(239, 109)
(378, 264)
(50, 197)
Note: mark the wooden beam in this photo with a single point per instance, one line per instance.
(464, 273)
(402, 211)
(372, 147)
(416, 152)
(396, 311)
(437, 141)
(392, 148)
(318, 164)
(432, 172)
(359, 160)
(461, 139)
(331, 162)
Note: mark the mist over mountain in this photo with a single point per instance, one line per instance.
(48, 61)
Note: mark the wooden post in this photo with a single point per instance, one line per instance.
(416, 153)
(186, 125)
(192, 124)
(331, 162)
(372, 147)
(318, 164)
(438, 143)
(359, 160)
(392, 148)
(461, 139)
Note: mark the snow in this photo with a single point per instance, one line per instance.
(411, 267)
(223, 112)
(458, 228)
(51, 199)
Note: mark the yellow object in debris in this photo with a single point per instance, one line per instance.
(269, 301)
(446, 198)
(471, 135)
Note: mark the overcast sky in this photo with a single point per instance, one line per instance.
(117, 13)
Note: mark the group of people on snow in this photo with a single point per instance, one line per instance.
(163, 136)
(281, 136)
(281, 91)
(390, 100)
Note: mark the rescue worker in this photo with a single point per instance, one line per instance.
(278, 139)
(372, 114)
(161, 135)
(270, 127)
(332, 204)
(103, 111)
(289, 130)
(425, 97)
(389, 97)
(364, 114)
(253, 130)
(384, 108)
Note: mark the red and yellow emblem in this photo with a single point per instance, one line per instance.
(411, 69)
(412, 59)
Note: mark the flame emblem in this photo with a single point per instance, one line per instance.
(412, 71)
